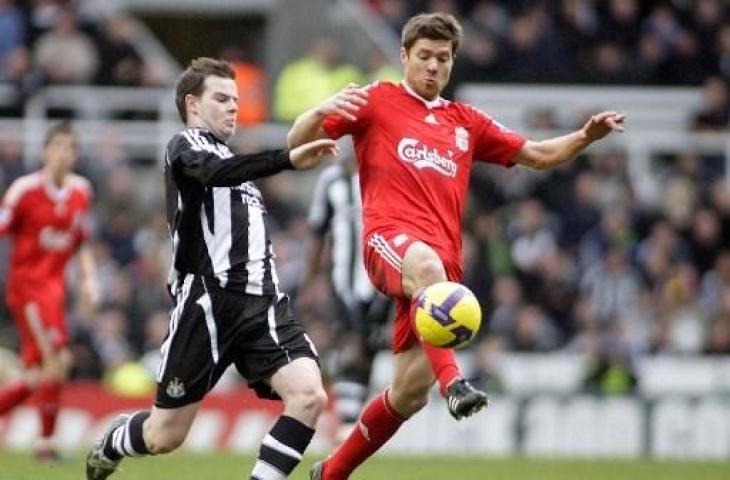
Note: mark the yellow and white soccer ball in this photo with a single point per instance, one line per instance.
(447, 315)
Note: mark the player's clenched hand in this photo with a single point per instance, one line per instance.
(311, 154)
(346, 102)
(601, 124)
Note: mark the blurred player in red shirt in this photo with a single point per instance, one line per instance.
(415, 152)
(45, 213)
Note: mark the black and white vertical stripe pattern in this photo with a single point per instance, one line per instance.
(216, 231)
(336, 209)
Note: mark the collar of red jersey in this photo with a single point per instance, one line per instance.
(437, 102)
(54, 192)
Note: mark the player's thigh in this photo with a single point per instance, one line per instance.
(421, 267)
(273, 340)
(38, 332)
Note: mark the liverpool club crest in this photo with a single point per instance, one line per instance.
(462, 138)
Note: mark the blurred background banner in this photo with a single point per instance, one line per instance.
(605, 283)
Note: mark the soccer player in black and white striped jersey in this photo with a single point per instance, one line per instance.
(228, 307)
(335, 226)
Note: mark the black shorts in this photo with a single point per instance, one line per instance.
(211, 328)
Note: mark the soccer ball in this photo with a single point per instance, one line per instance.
(447, 315)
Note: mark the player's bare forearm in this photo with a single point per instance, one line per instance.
(550, 153)
(306, 127)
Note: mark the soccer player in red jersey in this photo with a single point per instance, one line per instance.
(45, 214)
(415, 152)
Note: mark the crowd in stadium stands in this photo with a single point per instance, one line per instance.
(54, 42)
(611, 41)
(570, 260)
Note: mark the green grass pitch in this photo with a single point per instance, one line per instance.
(223, 466)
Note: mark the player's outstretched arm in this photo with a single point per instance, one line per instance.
(308, 125)
(552, 152)
(311, 154)
(215, 168)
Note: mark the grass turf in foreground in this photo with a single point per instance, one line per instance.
(223, 466)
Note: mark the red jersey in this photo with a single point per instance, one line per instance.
(47, 225)
(415, 158)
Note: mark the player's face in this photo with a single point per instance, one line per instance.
(60, 153)
(427, 66)
(217, 106)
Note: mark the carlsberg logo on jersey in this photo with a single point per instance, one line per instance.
(421, 156)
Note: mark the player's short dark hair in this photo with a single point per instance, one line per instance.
(434, 26)
(60, 128)
(191, 81)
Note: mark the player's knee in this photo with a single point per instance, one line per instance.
(430, 271)
(310, 401)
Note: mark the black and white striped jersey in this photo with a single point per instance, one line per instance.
(216, 215)
(336, 211)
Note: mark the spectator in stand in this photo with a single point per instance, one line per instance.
(534, 51)
(533, 331)
(707, 17)
(612, 286)
(719, 200)
(715, 284)
(481, 61)
(11, 162)
(379, 68)
(252, 82)
(651, 60)
(705, 240)
(65, 54)
(685, 64)
(620, 22)
(557, 288)
(715, 115)
(12, 38)
(718, 335)
(579, 213)
(686, 322)
(532, 238)
(120, 63)
(394, 12)
(309, 80)
(608, 64)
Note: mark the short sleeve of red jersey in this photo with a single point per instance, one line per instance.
(336, 126)
(494, 143)
(10, 208)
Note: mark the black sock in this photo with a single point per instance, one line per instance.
(282, 449)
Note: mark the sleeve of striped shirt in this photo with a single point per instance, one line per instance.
(198, 155)
(320, 211)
